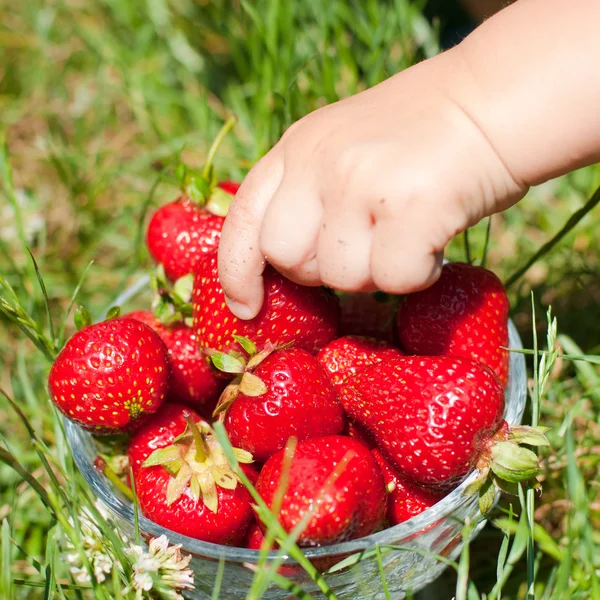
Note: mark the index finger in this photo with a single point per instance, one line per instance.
(241, 263)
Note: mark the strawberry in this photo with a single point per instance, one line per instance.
(111, 375)
(368, 315)
(182, 232)
(307, 316)
(334, 476)
(188, 486)
(279, 394)
(430, 416)
(193, 380)
(231, 187)
(360, 434)
(405, 499)
(436, 418)
(159, 432)
(465, 313)
(344, 357)
(254, 537)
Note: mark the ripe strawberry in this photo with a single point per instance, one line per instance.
(231, 187)
(189, 487)
(159, 432)
(465, 313)
(109, 376)
(405, 499)
(182, 232)
(344, 357)
(436, 418)
(360, 434)
(281, 394)
(193, 380)
(363, 314)
(430, 416)
(307, 316)
(335, 476)
(254, 537)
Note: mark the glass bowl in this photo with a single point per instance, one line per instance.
(436, 531)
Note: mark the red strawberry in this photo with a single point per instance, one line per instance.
(231, 187)
(109, 376)
(338, 478)
(344, 357)
(254, 537)
(307, 316)
(430, 416)
(465, 313)
(363, 314)
(189, 488)
(181, 233)
(159, 432)
(289, 396)
(405, 499)
(193, 379)
(360, 434)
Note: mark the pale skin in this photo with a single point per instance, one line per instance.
(365, 194)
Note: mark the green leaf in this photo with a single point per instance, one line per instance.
(180, 173)
(219, 202)
(82, 318)
(113, 313)
(532, 436)
(177, 485)
(487, 495)
(248, 345)
(227, 363)
(476, 485)
(184, 287)
(197, 189)
(162, 456)
(164, 311)
(513, 463)
(251, 385)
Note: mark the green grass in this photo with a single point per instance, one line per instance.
(97, 98)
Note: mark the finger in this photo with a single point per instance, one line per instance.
(344, 250)
(241, 262)
(290, 228)
(305, 274)
(401, 260)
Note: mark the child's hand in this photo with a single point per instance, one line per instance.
(366, 193)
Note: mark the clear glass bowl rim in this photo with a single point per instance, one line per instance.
(515, 401)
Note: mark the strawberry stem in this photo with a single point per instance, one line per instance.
(227, 127)
(198, 438)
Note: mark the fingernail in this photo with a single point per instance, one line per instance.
(240, 310)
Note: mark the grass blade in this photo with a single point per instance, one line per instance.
(384, 584)
(61, 334)
(573, 220)
(42, 285)
(6, 574)
(218, 580)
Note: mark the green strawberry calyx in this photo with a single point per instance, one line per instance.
(505, 463)
(200, 185)
(172, 302)
(242, 367)
(196, 461)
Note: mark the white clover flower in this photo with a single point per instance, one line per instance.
(94, 547)
(161, 568)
